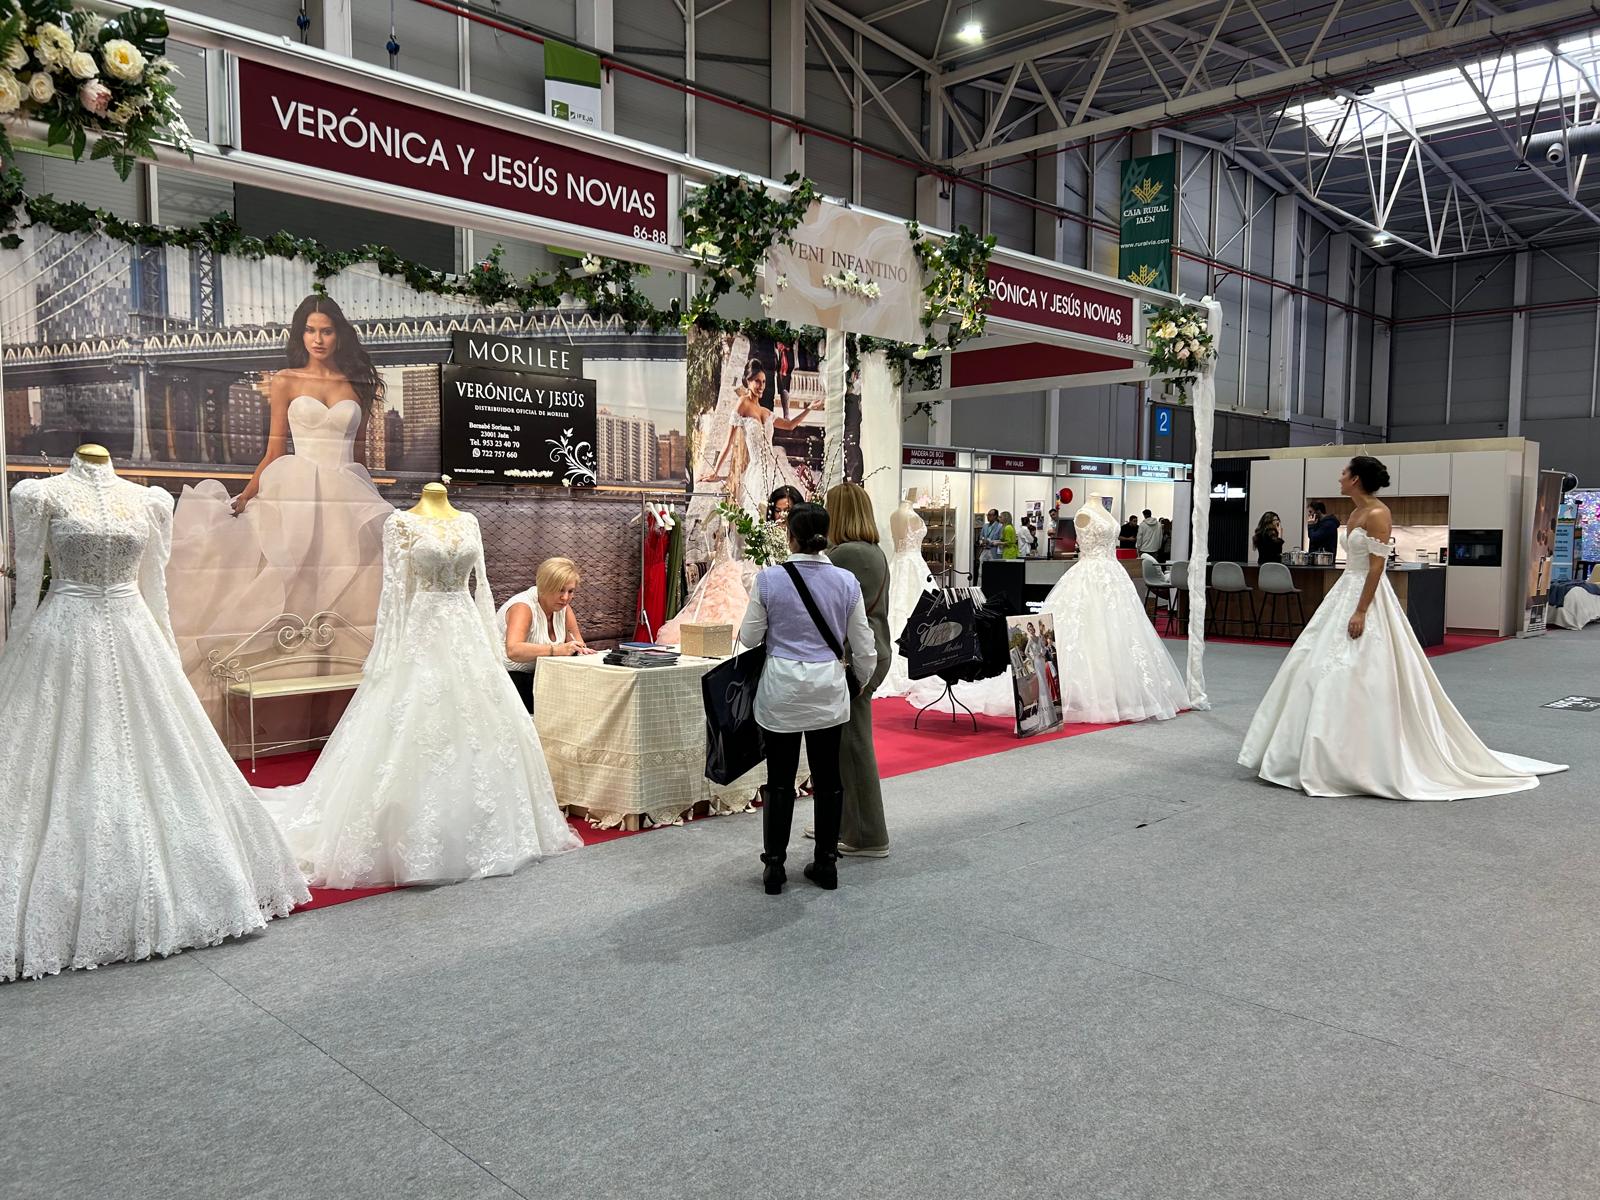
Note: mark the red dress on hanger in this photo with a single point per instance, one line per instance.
(652, 583)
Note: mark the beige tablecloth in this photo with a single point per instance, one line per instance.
(624, 742)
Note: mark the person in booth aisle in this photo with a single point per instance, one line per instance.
(539, 623)
(1128, 535)
(1322, 530)
(989, 536)
(805, 611)
(781, 501)
(1148, 539)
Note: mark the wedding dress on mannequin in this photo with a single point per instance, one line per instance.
(1114, 666)
(435, 773)
(126, 831)
(1366, 716)
(310, 541)
(908, 579)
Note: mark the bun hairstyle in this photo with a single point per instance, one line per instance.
(808, 528)
(1369, 473)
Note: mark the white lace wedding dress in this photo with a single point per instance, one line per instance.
(311, 541)
(434, 774)
(1113, 664)
(908, 579)
(1366, 716)
(126, 831)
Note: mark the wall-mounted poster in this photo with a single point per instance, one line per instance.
(1035, 673)
(515, 427)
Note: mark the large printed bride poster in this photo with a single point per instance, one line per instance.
(289, 421)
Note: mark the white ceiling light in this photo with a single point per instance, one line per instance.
(1381, 238)
(970, 30)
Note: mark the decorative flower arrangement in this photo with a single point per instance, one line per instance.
(1180, 346)
(852, 284)
(764, 544)
(81, 74)
(730, 224)
(956, 285)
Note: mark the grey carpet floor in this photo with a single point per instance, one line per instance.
(1111, 966)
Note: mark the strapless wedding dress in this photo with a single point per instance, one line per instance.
(311, 541)
(1366, 716)
(1114, 666)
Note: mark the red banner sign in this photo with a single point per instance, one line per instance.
(336, 128)
(1018, 295)
(1026, 464)
(923, 456)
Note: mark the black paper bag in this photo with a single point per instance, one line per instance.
(733, 739)
(940, 636)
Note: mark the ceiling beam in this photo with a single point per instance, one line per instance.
(1392, 54)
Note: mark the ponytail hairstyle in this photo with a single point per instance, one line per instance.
(1369, 473)
(808, 528)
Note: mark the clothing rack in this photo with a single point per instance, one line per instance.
(667, 500)
(950, 596)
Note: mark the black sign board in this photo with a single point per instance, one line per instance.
(1575, 703)
(1015, 462)
(1150, 471)
(509, 427)
(515, 354)
(1087, 466)
(924, 456)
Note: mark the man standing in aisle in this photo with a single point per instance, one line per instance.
(1322, 530)
(1148, 540)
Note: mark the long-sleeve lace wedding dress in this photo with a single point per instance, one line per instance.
(126, 831)
(434, 773)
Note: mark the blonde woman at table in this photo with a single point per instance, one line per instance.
(539, 623)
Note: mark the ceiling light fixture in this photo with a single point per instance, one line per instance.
(1382, 238)
(1366, 89)
(970, 30)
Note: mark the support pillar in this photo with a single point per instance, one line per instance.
(788, 84)
(596, 29)
(331, 27)
(1523, 267)
(1283, 388)
(1382, 347)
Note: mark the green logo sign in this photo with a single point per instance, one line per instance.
(1148, 193)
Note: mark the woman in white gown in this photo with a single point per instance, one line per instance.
(305, 535)
(1113, 664)
(1355, 709)
(125, 829)
(750, 464)
(435, 773)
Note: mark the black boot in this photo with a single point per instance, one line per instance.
(776, 815)
(822, 871)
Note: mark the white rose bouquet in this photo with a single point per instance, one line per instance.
(1180, 346)
(81, 75)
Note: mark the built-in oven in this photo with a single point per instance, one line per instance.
(1476, 547)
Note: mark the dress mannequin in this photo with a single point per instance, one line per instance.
(93, 453)
(902, 518)
(435, 502)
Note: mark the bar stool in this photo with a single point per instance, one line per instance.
(1227, 587)
(1178, 573)
(1277, 583)
(1156, 585)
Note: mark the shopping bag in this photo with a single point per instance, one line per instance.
(941, 634)
(733, 739)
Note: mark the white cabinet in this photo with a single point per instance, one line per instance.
(1322, 476)
(1419, 474)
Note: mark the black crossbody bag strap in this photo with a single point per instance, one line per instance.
(811, 607)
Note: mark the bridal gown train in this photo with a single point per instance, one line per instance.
(311, 541)
(126, 831)
(1114, 666)
(434, 773)
(1366, 716)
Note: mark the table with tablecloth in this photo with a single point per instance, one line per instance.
(625, 743)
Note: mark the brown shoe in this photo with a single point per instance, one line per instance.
(863, 851)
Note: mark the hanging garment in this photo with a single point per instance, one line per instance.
(652, 582)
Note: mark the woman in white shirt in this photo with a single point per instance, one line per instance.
(539, 623)
(803, 692)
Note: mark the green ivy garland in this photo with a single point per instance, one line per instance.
(731, 223)
(956, 284)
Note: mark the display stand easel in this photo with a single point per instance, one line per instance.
(949, 693)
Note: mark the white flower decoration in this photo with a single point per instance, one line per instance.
(123, 60)
(16, 56)
(766, 301)
(54, 45)
(82, 65)
(10, 92)
(41, 88)
(591, 264)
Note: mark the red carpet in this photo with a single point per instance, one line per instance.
(901, 750)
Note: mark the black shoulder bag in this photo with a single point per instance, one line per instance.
(852, 685)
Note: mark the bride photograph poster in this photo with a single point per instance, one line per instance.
(288, 421)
